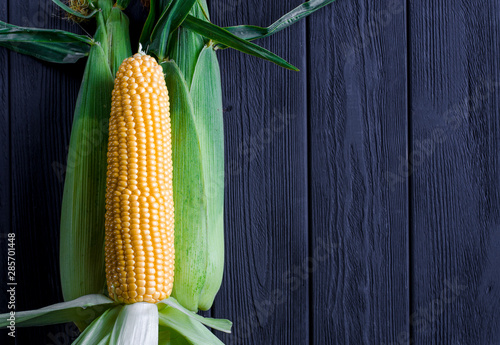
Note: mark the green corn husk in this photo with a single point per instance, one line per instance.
(82, 218)
(189, 196)
(83, 206)
(117, 27)
(207, 99)
(200, 69)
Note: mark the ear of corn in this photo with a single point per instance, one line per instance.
(139, 195)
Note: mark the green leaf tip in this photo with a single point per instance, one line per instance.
(220, 35)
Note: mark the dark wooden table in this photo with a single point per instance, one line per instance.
(362, 194)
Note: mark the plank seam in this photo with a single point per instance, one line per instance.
(409, 145)
(309, 182)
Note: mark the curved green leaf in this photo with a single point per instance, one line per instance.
(50, 45)
(72, 11)
(83, 309)
(218, 324)
(223, 36)
(193, 331)
(100, 329)
(249, 32)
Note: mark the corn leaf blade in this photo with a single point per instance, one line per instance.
(223, 36)
(249, 32)
(49, 45)
(83, 309)
(222, 325)
(193, 331)
(169, 21)
(100, 329)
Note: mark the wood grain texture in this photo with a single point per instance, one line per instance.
(358, 134)
(42, 99)
(4, 171)
(266, 190)
(455, 83)
(349, 219)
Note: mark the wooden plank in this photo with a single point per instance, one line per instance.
(455, 184)
(358, 206)
(4, 175)
(42, 98)
(266, 189)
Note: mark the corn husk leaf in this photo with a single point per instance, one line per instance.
(220, 35)
(137, 323)
(100, 329)
(207, 100)
(117, 27)
(218, 324)
(193, 331)
(73, 12)
(83, 309)
(169, 21)
(83, 206)
(169, 336)
(249, 32)
(187, 46)
(50, 45)
(189, 193)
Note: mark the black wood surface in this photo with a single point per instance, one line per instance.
(455, 190)
(358, 133)
(362, 193)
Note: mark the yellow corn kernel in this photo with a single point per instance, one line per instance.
(139, 194)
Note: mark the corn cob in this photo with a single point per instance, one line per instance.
(139, 195)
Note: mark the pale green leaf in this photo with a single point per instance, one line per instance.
(218, 324)
(137, 323)
(189, 193)
(206, 94)
(84, 309)
(193, 331)
(99, 330)
(83, 204)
